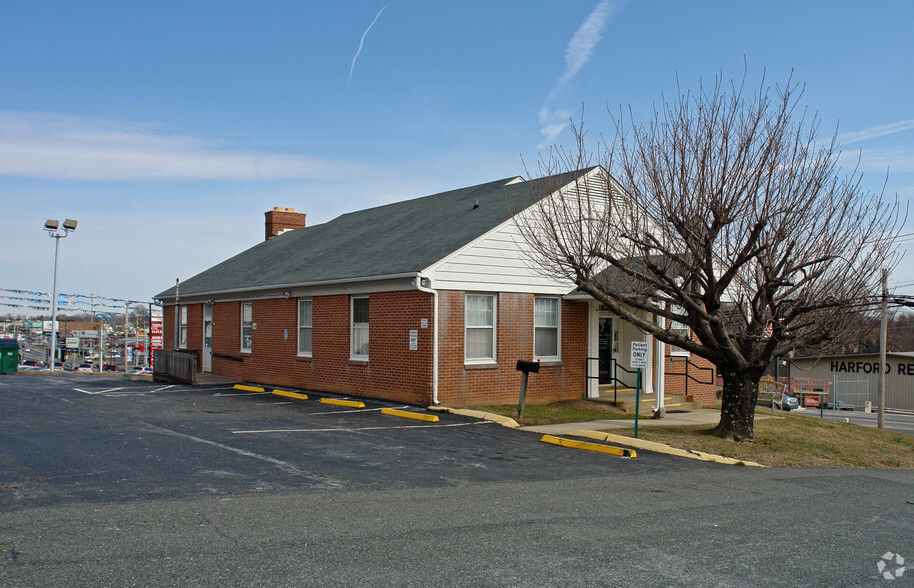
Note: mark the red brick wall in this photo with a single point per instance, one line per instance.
(393, 371)
(678, 384)
(467, 385)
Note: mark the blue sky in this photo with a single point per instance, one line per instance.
(167, 129)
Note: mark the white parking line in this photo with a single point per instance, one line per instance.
(242, 394)
(87, 391)
(127, 391)
(283, 465)
(354, 429)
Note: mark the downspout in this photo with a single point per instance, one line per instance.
(177, 311)
(434, 293)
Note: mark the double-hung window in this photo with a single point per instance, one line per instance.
(359, 334)
(546, 330)
(681, 329)
(304, 327)
(480, 328)
(247, 326)
(182, 327)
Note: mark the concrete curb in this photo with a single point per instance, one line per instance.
(478, 414)
(609, 449)
(610, 438)
(662, 448)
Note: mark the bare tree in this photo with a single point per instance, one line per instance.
(723, 213)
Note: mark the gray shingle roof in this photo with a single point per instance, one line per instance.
(400, 238)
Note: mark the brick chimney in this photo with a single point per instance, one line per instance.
(279, 220)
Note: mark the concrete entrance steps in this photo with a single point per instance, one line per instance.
(625, 399)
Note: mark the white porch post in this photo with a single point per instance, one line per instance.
(661, 379)
(593, 349)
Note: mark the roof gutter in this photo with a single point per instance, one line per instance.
(295, 285)
(434, 293)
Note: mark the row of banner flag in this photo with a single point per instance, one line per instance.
(91, 303)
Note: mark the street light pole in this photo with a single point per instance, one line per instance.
(883, 331)
(51, 227)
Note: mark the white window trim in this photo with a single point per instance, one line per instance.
(243, 348)
(481, 360)
(674, 350)
(558, 330)
(301, 326)
(353, 325)
(182, 327)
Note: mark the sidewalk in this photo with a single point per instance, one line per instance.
(703, 416)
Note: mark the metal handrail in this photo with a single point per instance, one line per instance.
(616, 381)
(689, 376)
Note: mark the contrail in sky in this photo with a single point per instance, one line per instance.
(578, 53)
(873, 132)
(362, 41)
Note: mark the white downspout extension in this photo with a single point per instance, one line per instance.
(434, 294)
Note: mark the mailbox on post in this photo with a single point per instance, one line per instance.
(525, 367)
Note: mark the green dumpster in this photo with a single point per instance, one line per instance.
(9, 356)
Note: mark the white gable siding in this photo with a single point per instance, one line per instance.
(494, 263)
(498, 261)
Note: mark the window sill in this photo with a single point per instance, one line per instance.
(548, 362)
(306, 358)
(357, 361)
(480, 366)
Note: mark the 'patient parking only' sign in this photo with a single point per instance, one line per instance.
(639, 354)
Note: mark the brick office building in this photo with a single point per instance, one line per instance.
(430, 300)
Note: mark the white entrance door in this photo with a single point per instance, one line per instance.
(207, 337)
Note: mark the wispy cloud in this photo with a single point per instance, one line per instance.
(362, 41)
(891, 160)
(878, 131)
(577, 54)
(59, 146)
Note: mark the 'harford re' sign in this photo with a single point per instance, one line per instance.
(639, 354)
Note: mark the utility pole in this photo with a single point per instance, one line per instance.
(883, 335)
(126, 317)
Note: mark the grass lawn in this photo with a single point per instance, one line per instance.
(796, 440)
(790, 440)
(567, 411)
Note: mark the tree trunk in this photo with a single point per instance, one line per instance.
(737, 410)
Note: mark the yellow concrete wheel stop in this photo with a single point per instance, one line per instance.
(431, 418)
(290, 394)
(349, 403)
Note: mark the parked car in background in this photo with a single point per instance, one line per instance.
(781, 401)
(85, 367)
(141, 370)
(29, 363)
(112, 367)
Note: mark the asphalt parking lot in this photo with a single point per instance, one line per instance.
(109, 482)
(74, 438)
